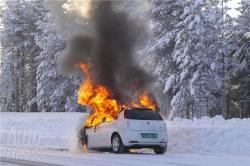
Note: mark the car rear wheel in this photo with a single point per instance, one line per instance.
(160, 149)
(117, 145)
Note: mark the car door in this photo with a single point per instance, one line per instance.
(103, 131)
(98, 136)
(92, 138)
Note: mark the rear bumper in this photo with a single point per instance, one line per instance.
(134, 139)
(146, 145)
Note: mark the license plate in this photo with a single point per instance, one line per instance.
(149, 135)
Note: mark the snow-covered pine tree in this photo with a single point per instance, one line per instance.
(240, 83)
(165, 15)
(19, 51)
(199, 53)
(55, 92)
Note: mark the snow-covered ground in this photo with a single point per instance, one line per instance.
(139, 159)
(144, 159)
(41, 130)
(43, 136)
(214, 135)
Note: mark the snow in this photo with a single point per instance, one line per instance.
(169, 83)
(198, 2)
(142, 159)
(201, 142)
(59, 131)
(44, 130)
(233, 5)
(185, 13)
(247, 35)
(213, 66)
(184, 73)
(210, 136)
(193, 80)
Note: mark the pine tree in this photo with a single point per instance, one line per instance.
(199, 55)
(55, 92)
(165, 16)
(19, 52)
(240, 83)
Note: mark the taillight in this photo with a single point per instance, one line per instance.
(126, 114)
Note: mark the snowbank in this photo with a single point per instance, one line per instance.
(43, 130)
(209, 135)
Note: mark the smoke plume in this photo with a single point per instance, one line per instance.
(109, 51)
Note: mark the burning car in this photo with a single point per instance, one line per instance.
(133, 128)
(117, 124)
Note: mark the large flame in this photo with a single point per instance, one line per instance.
(101, 101)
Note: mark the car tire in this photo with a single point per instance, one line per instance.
(117, 144)
(160, 149)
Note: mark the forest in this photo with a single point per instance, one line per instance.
(198, 53)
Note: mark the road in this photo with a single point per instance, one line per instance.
(16, 162)
(138, 159)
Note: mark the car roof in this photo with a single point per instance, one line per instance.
(138, 108)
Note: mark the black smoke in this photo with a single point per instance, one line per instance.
(109, 51)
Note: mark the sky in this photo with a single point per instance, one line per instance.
(233, 4)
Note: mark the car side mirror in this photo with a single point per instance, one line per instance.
(103, 120)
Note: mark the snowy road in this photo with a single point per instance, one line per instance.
(145, 159)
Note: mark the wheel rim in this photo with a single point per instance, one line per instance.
(116, 144)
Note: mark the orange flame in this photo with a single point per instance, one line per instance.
(100, 99)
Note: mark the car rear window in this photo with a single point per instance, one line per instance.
(142, 114)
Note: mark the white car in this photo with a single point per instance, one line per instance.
(134, 128)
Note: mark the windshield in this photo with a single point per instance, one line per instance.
(142, 114)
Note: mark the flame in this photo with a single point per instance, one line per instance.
(100, 99)
(146, 101)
